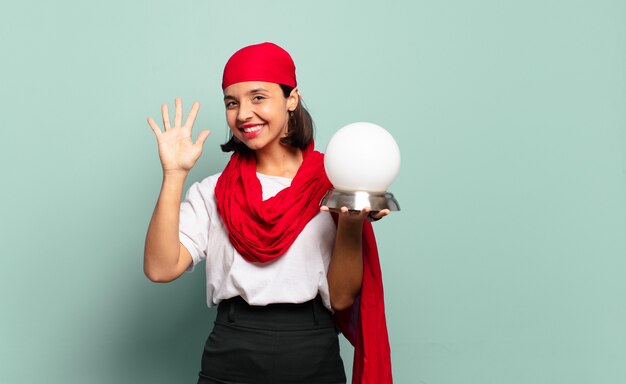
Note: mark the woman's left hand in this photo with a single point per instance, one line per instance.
(365, 213)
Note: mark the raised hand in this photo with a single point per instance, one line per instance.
(177, 151)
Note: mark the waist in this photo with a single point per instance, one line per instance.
(279, 317)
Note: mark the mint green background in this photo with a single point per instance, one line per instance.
(507, 263)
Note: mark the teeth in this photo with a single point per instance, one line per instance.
(252, 129)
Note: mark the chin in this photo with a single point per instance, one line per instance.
(253, 146)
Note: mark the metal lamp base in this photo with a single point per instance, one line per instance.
(357, 200)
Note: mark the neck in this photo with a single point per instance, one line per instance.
(281, 160)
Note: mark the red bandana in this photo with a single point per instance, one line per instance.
(261, 231)
(261, 62)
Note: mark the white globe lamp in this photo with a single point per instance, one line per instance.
(362, 160)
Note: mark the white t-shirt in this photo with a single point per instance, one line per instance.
(295, 277)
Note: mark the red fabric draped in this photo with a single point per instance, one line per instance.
(261, 231)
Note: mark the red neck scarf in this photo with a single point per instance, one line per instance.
(261, 231)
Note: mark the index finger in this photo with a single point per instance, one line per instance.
(191, 118)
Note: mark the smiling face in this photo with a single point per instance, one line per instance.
(258, 113)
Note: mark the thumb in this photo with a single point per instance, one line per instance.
(202, 137)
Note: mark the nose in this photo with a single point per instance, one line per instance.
(244, 112)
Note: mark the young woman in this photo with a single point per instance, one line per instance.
(281, 272)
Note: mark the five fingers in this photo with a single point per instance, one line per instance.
(178, 116)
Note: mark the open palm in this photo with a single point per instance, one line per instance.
(177, 151)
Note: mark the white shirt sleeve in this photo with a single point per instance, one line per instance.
(194, 224)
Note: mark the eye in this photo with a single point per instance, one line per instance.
(230, 104)
(258, 98)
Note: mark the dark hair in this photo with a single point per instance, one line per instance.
(299, 129)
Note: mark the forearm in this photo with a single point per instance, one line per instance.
(162, 248)
(345, 273)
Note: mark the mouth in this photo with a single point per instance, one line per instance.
(251, 130)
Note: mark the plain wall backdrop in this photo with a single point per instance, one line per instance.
(506, 265)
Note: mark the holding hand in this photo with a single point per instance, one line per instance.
(365, 213)
(177, 151)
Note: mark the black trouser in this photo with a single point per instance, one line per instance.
(277, 343)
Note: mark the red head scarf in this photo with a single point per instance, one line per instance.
(260, 62)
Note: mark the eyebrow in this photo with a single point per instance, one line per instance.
(255, 90)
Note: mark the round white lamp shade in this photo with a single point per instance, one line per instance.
(362, 157)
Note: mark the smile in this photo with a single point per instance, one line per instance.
(251, 130)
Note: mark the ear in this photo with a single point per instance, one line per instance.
(293, 100)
